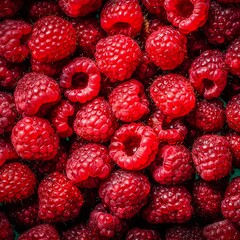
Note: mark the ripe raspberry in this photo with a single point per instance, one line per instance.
(128, 101)
(95, 121)
(133, 146)
(13, 36)
(212, 157)
(125, 193)
(122, 17)
(168, 205)
(166, 47)
(10, 7)
(34, 139)
(17, 182)
(35, 93)
(234, 141)
(142, 234)
(6, 232)
(208, 74)
(57, 37)
(59, 199)
(154, 7)
(173, 95)
(117, 57)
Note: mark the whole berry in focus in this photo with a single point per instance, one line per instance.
(6, 232)
(142, 234)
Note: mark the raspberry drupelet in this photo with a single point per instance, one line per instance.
(155, 7)
(234, 141)
(6, 232)
(142, 234)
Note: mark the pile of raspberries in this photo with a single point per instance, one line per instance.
(119, 119)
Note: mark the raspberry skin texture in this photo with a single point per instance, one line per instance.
(17, 182)
(142, 234)
(117, 57)
(7, 151)
(81, 80)
(168, 205)
(154, 7)
(212, 157)
(6, 228)
(166, 47)
(59, 199)
(125, 193)
(57, 37)
(133, 146)
(95, 121)
(173, 95)
(10, 7)
(122, 17)
(34, 139)
(128, 101)
(187, 15)
(35, 93)
(208, 74)
(234, 141)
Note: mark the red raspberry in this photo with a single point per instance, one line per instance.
(133, 146)
(81, 79)
(173, 95)
(142, 234)
(168, 205)
(59, 199)
(122, 17)
(117, 57)
(125, 193)
(34, 139)
(6, 232)
(208, 74)
(35, 93)
(10, 7)
(166, 47)
(57, 37)
(17, 182)
(7, 151)
(154, 7)
(212, 157)
(234, 141)
(95, 121)
(128, 101)
(13, 36)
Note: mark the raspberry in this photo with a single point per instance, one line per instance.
(234, 141)
(125, 193)
(208, 74)
(133, 146)
(34, 139)
(57, 37)
(154, 7)
(173, 95)
(142, 234)
(17, 182)
(7, 151)
(59, 199)
(168, 205)
(122, 17)
(166, 47)
(35, 93)
(228, 1)
(81, 79)
(6, 228)
(128, 101)
(95, 121)
(10, 7)
(212, 157)
(117, 57)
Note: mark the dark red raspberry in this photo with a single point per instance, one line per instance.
(173, 95)
(142, 234)
(122, 17)
(59, 199)
(208, 74)
(17, 182)
(128, 101)
(57, 37)
(125, 193)
(10, 7)
(95, 121)
(35, 93)
(234, 141)
(168, 205)
(154, 7)
(13, 37)
(228, 1)
(6, 232)
(34, 139)
(133, 146)
(117, 57)
(166, 47)
(212, 157)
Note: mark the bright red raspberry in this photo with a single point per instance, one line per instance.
(125, 193)
(168, 205)
(117, 57)
(59, 199)
(208, 74)
(142, 234)
(57, 37)
(154, 7)
(173, 95)
(95, 121)
(212, 157)
(7, 151)
(122, 17)
(10, 7)
(34, 139)
(234, 141)
(166, 47)
(6, 232)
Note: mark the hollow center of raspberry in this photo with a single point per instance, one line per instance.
(121, 26)
(80, 80)
(208, 84)
(131, 144)
(184, 8)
